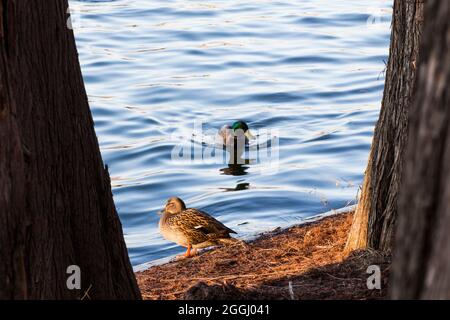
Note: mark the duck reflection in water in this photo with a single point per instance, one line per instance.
(239, 187)
(235, 170)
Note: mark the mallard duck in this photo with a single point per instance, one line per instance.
(228, 133)
(192, 228)
(234, 138)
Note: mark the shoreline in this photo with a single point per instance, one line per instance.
(250, 238)
(304, 261)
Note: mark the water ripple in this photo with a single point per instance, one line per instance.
(310, 70)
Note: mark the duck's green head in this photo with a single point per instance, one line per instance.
(242, 125)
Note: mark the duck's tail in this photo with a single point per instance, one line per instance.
(232, 241)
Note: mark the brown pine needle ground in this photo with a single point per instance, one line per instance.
(302, 262)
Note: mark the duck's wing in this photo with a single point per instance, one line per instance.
(224, 133)
(202, 222)
(224, 129)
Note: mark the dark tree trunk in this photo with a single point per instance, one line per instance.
(377, 209)
(56, 206)
(421, 267)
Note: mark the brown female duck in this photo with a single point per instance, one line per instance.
(192, 228)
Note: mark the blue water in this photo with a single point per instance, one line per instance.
(311, 71)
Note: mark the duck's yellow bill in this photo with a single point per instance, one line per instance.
(249, 135)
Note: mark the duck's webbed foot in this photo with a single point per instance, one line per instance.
(190, 252)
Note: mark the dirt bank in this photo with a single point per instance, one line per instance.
(302, 262)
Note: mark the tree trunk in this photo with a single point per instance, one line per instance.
(56, 206)
(374, 218)
(421, 267)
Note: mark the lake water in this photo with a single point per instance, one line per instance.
(310, 72)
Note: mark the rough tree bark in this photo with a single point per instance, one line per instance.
(56, 206)
(421, 266)
(375, 215)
